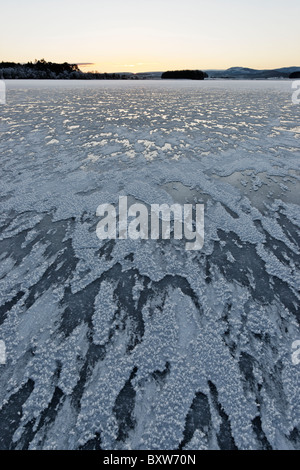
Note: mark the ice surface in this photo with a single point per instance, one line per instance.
(140, 344)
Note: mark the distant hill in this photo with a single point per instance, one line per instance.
(237, 73)
(243, 73)
(149, 75)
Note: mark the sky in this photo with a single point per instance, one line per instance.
(152, 35)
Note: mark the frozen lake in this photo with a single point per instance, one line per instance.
(123, 344)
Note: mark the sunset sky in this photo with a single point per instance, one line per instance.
(150, 35)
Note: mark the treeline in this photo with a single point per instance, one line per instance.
(40, 69)
(185, 74)
(295, 75)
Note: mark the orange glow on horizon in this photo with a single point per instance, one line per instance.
(137, 36)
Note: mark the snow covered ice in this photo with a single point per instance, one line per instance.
(140, 344)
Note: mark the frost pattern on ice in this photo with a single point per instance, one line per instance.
(141, 344)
